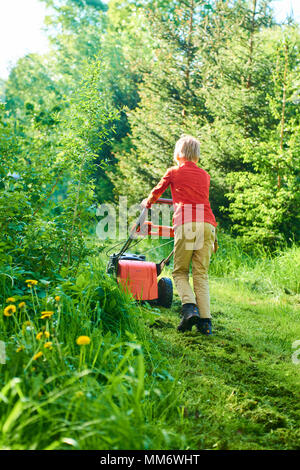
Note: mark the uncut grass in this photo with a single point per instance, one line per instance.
(99, 399)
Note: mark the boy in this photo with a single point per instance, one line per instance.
(194, 232)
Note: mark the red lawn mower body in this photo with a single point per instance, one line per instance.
(138, 276)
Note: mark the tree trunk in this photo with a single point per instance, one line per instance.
(251, 44)
(189, 52)
(283, 109)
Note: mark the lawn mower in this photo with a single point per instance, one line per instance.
(137, 275)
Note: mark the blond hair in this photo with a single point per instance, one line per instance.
(187, 147)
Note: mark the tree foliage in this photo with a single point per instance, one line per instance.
(224, 72)
(76, 130)
(47, 192)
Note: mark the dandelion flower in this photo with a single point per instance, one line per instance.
(83, 340)
(31, 282)
(9, 310)
(47, 314)
(10, 299)
(37, 355)
(57, 298)
(42, 334)
(22, 305)
(21, 348)
(48, 345)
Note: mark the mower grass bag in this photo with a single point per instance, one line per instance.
(139, 278)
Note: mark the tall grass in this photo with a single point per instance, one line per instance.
(261, 271)
(112, 393)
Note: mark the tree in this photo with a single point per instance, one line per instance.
(79, 31)
(169, 104)
(264, 202)
(47, 192)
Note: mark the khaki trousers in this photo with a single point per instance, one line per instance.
(193, 244)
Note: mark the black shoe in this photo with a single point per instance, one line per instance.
(190, 316)
(204, 326)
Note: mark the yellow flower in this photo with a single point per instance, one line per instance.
(47, 314)
(21, 348)
(40, 335)
(9, 310)
(57, 298)
(48, 345)
(83, 340)
(31, 282)
(10, 299)
(22, 305)
(37, 355)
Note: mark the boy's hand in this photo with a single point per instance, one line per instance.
(144, 203)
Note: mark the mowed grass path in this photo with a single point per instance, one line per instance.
(240, 388)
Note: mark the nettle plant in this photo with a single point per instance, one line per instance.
(47, 195)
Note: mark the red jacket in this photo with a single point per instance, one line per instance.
(190, 193)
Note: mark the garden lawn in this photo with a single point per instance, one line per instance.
(241, 388)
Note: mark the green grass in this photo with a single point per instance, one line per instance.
(140, 384)
(115, 393)
(241, 389)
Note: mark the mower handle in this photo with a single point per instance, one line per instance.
(142, 216)
(136, 229)
(133, 232)
(138, 223)
(162, 200)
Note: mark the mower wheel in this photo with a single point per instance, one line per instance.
(165, 292)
